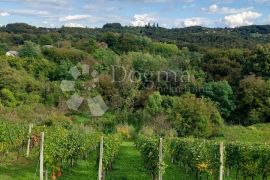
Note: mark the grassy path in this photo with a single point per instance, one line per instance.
(22, 169)
(84, 170)
(128, 165)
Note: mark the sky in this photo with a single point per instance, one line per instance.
(167, 13)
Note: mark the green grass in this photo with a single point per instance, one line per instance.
(128, 165)
(84, 170)
(19, 169)
(173, 172)
(259, 133)
(80, 119)
(28, 169)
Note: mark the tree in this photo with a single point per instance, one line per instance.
(112, 26)
(106, 57)
(221, 93)
(253, 101)
(88, 45)
(195, 116)
(30, 49)
(259, 61)
(222, 66)
(45, 40)
(146, 63)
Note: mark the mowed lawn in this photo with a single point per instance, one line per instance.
(128, 164)
(84, 170)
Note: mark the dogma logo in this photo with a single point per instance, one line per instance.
(96, 104)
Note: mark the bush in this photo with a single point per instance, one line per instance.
(154, 104)
(7, 98)
(45, 40)
(30, 49)
(3, 48)
(147, 131)
(195, 116)
(65, 54)
(128, 131)
(163, 49)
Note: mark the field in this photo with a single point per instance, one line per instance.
(128, 164)
(259, 133)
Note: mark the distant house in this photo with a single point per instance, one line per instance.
(12, 53)
(47, 46)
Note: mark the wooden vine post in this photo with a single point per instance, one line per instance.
(221, 170)
(100, 167)
(29, 140)
(41, 168)
(160, 159)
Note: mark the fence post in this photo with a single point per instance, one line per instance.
(29, 140)
(100, 167)
(160, 159)
(41, 169)
(221, 170)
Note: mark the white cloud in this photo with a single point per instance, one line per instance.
(4, 14)
(241, 19)
(142, 19)
(194, 21)
(29, 12)
(214, 8)
(74, 17)
(73, 25)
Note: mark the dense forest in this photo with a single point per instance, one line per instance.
(195, 76)
(75, 84)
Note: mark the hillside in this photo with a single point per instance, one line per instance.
(113, 99)
(196, 38)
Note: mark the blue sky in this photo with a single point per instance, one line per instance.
(168, 13)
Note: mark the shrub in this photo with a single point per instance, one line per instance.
(65, 54)
(30, 49)
(163, 49)
(195, 116)
(154, 103)
(128, 131)
(3, 48)
(147, 131)
(7, 98)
